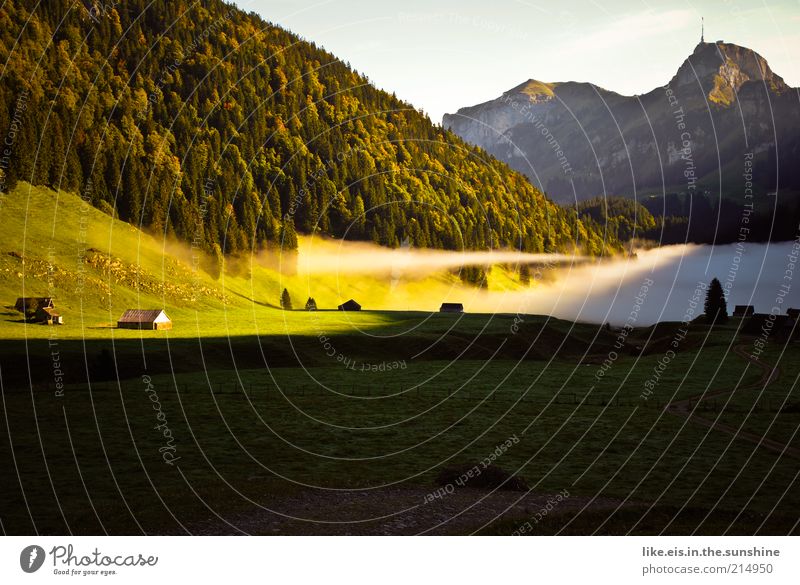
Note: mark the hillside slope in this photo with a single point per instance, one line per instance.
(55, 244)
(202, 121)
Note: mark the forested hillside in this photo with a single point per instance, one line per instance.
(201, 121)
(624, 219)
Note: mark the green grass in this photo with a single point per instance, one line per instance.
(255, 434)
(263, 403)
(48, 238)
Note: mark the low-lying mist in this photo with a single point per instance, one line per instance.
(659, 282)
(321, 256)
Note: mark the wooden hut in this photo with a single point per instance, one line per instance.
(144, 319)
(49, 316)
(29, 305)
(743, 311)
(350, 305)
(451, 308)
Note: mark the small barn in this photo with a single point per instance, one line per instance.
(793, 313)
(451, 308)
(49, 316)
(350, 305)
(29, 305)
(743, 311)
(144, 319)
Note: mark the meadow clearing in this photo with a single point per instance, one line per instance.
(246, 417)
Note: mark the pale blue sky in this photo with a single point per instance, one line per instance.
(445, 54)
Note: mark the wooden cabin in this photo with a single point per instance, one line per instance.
(350, 305)
(155, 319)
(743, 311)
(451, 308)
(49, 316)
(29, 305)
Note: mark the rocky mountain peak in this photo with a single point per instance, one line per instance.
(723, 68)
(534, 90)
(575, 139)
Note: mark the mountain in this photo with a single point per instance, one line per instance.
(724, 124)
(200, 121)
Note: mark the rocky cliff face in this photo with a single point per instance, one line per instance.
(722, 69)
(576, 140)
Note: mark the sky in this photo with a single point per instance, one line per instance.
(441, 55)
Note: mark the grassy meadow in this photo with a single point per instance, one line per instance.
(265, 406)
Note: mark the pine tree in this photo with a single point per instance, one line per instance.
(216, 263)
(286, 300)
(288, 235)
(716, 308)
(311, 304)
(359, 217)
(525, 274)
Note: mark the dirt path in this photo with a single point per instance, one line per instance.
(687, 407)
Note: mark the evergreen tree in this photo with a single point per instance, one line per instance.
(286, 300)
(311, 304)
(216, 263)
(475, 275)
(525, 274)
(716, 308)
(288, 236)
(359, 218)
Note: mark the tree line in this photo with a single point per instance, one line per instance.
(203, 122)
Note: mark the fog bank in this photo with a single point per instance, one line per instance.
(566, 286)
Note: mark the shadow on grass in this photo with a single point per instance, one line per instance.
(255, 302)
(641, 520)
(26, 363)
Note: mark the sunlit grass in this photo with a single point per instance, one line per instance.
(46, 236)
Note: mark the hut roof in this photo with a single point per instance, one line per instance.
(350, 305)
(24, 303)
(143, 316)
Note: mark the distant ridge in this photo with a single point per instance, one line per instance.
(724, 105)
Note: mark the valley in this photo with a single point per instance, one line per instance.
(248, 418)
(245, 289)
